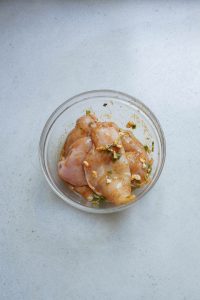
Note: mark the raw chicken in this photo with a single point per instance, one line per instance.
(85, 191)
(82, 129)
(130, 143)
(140, 167)
(105, 134)
(70, 169)
(106, 169)
(85, 122)
(139, 162)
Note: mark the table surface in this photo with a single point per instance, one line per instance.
(50, 51)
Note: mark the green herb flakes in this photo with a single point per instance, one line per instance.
(98, 198)
(146, 148)
(152, 148)
(149, 168)
(116, 155)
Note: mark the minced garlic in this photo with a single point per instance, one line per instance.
(119, 146)
(142, 160)
(90, 198)
(136, 177)
(94, 173)
(144, 166)
(86, 163)
(108, 180)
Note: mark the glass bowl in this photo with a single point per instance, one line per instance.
(108, 106)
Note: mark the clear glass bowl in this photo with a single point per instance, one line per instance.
(108, 105)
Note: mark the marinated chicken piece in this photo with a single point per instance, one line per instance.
(108, 174)
(85, 122)
(73, 136)
(85, 191)
(140, 167)
(82, 129)
(131, 143)
(107, 178)
(139, 162)
(70, 169)
(105, 134)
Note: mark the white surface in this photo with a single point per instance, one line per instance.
(50, 51)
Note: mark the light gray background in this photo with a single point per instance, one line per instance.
(50, 51)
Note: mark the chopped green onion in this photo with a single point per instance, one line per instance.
(116, 155)
(98, 198)
(146, 148)
(152, 149)
(149, 168)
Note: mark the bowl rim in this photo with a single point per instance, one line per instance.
(58, 111)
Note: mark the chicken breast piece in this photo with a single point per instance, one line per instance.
(85, 191)
(70, 169)
(140, 167)
(86, 121)
(106, 174)
(131, 143)
(82, 129)
(107, 178)
(138, 158)
(104, 134)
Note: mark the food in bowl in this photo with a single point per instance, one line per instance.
(104, 162)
